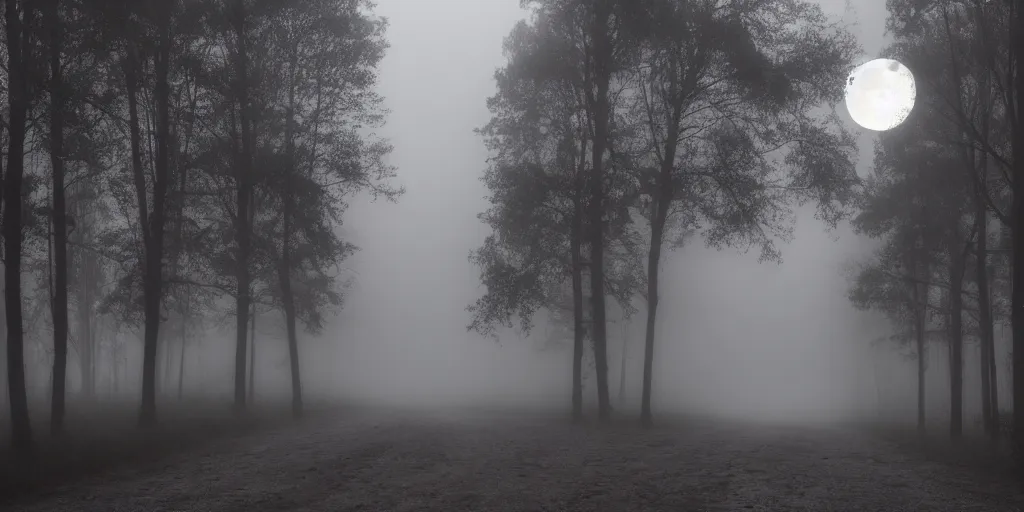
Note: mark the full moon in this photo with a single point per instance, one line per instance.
(880, 94)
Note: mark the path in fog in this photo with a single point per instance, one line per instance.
(387, 462)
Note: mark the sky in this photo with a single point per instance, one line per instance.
(732, 332)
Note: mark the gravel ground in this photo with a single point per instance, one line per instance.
(390, 461)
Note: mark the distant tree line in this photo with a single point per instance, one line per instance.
(173, 162)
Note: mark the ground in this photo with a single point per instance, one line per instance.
(373, 460)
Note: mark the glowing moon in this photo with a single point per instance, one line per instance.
(880, 94)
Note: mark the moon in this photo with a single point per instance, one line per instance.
(880, 94)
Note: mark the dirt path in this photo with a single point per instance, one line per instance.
(390, 462)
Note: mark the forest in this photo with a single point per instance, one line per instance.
(621, 129)
(173, 166)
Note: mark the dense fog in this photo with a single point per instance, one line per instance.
(735, 336)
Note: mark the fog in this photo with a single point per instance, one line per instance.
(735, 337)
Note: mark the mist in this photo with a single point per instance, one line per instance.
(363, 277)
(734, 336)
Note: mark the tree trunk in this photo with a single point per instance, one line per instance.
(993, 385)
(153, 278)
(653, 261)
(985, 317)
(956, 340)
(243, 228)
(576, 248)
(288, 299)
(252, 354)
(1017, 299)
(165, 342)
(115, 363)
(18, 98)
(181, 354)
(602, 56)
(59, 221)
(622, 362)
(285, 269)
(151, 321)
(920, 324)
(85, 334)
(661, 197)
(5, 397)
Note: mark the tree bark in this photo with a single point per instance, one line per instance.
(920, 324)
(956, 340)
(653, 260)
(602, 56)
(252, 354)
(153, 268)
(288, 300)
(985, 315)
(285, 269)
(622, 362)
(1017, 297)
(661, 196)
(18, 40)
(181, 354)
(58, 217)
(576, 247)
(243, 229)
(85, 330)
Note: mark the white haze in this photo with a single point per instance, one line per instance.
(735, 337)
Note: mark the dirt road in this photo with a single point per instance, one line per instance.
(400, 462)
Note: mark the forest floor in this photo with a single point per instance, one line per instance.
(374, 460)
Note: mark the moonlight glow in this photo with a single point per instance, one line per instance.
(880, 94)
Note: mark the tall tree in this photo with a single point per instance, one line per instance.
(19, 19)
(58, 214)
(719, 95)
(540, 140)
(1017, 301)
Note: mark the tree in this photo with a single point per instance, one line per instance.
(965, 54)
(58, 215)
(1017, 301)
(540, 140)
(19, 17)
(720, 96)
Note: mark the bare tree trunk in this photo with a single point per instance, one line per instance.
(956, 349)
(165, 343)
(920, 324)
(3, 334)
(622, 362)
(602, 56)
(576, 248)
(18, 15)
(252, 354)
(153, 280)
(59, 220)
(244, 193)
(289, 308)
(1017, 300)
(653, 261)
(85, 331)
(661, 196)
(181, 354)
(985, 319)
(115, 364)
(285, 269)
(151, 298)
(994, 387)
